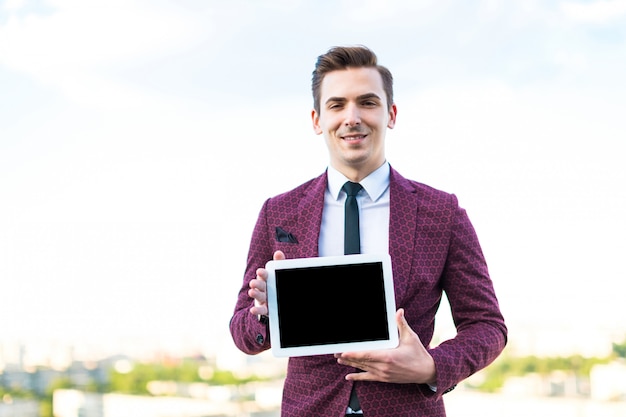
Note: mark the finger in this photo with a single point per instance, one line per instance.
(360, 376)
(259, 309)
(401, 320)
(258, 292)
(360, 360)
(258, 284)
(261, 274)
(258, 295)
(343, 359)
(260, 302)
(404, 329)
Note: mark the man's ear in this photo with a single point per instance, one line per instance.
(393, 113)
(315, 118)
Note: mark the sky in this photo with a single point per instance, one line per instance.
(139, 139)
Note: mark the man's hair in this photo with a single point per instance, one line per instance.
(344, 57)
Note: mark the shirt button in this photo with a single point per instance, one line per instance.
(260, 339)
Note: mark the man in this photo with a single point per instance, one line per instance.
(431, 241)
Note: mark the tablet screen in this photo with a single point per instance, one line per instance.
(331, 305)
(351, 305)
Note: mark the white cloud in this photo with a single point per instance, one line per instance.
(13, 4)
(595, 12)
(522, 158)
(373, 10)
(83, 37)
(73, 48)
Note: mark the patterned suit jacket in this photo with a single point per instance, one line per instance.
(433, 248)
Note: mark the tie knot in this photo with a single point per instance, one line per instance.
(352, 188)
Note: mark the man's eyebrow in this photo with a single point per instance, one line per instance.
(361, 97)
(336, 100)
(369, 96)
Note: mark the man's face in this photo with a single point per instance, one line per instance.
(354, 117)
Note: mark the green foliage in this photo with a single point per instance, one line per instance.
(507, 366)
(59, 383)
(136, 380)
(45, 408)
(619, 349)
(45, 401)
(16, 393)
(228, 378)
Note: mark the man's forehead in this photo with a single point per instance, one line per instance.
(352, 82)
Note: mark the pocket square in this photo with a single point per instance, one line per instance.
(284, 236)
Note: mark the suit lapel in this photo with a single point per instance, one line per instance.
(403, 208)
(310, 209)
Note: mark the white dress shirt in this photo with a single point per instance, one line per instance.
(373, 201)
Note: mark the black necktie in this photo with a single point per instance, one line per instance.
(352, 240)
(352, 245)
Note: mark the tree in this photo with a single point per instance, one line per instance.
(619, 349)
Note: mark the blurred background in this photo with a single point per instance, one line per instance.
(139, 139)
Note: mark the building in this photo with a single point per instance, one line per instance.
(74, 403)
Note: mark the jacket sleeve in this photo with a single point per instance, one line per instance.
(481, 331)
(249, 334)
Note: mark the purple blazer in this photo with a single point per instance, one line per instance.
(433, 248)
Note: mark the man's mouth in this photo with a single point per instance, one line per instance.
(351, 138)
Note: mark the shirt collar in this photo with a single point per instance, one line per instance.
(374, 184)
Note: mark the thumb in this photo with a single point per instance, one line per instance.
(279, 255)
(403, 326)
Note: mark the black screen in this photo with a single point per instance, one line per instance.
(331, 304)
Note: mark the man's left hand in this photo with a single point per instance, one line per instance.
(410, 362)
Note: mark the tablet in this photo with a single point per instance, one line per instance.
(331, 305)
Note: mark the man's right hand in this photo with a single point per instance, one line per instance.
(258, 288)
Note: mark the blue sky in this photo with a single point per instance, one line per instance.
(139, 139)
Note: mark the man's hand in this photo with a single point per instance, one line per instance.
(410, 362)
(258, 288)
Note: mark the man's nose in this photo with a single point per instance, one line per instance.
(352, 115)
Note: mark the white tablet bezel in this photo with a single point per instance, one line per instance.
(317, 302)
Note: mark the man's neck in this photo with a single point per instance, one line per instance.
(357, 174)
